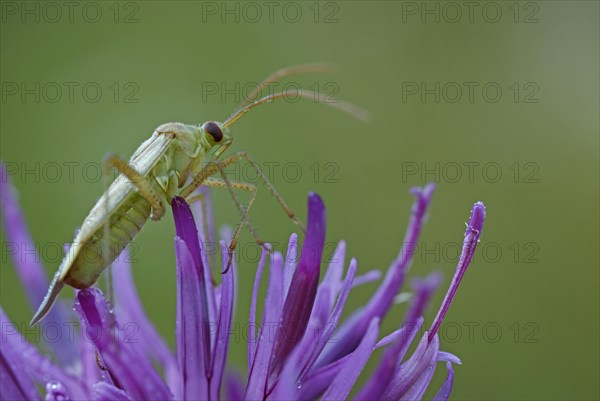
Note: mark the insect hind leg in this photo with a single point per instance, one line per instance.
(139, 181)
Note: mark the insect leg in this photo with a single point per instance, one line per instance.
(108, 281)
(241, 186)
(145, 189)
(268, 183)
(213, 167)
(141, 183)
(210, 169)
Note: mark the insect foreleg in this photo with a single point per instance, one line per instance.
(265, 179)
(141, 183)
(213, 167)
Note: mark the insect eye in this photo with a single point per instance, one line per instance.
(214, 130)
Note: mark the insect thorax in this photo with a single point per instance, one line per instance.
(183, 159)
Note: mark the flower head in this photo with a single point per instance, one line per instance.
(303, 358)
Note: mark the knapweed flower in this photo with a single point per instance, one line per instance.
(288, 360)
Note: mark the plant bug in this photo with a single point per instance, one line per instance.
(170, 163)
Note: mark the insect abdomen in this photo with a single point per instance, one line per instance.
(91, 260)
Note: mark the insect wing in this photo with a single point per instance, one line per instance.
(143, 160)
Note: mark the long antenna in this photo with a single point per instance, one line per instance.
(346, 107)
(286, 72)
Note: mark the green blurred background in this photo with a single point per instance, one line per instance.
(537, 281)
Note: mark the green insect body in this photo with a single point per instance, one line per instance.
(167, 160)
(170, 163)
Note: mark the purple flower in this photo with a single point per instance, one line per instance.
(294, 352)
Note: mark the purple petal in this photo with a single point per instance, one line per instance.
(203, 211)
(29, 269)
(131, 311)
(234, 390)
(90, 373)
(31, 272)
(343, 382)
(223, 327)
(15, 384)
(448, 357)
(446, 389)
(17, 351)
(320, 311)
(204, 217)
(380, 379)
(333, 275)
(102, 391)
(134, 374)
(185, 228)
(318, 380)
(353, 330)
(418, 217)
(252, 342)
(287, 384)
(259, 372)
(211, 306)
(190, 336)
(331, 325)
(469, 245)
(327, 292)
(290, 262)
(424, 290)
(55, 391)
(303, 289)
(399, 334)
(304, 355)
(368, 277)
(409, 372)
(418, 389)
(391, 338)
